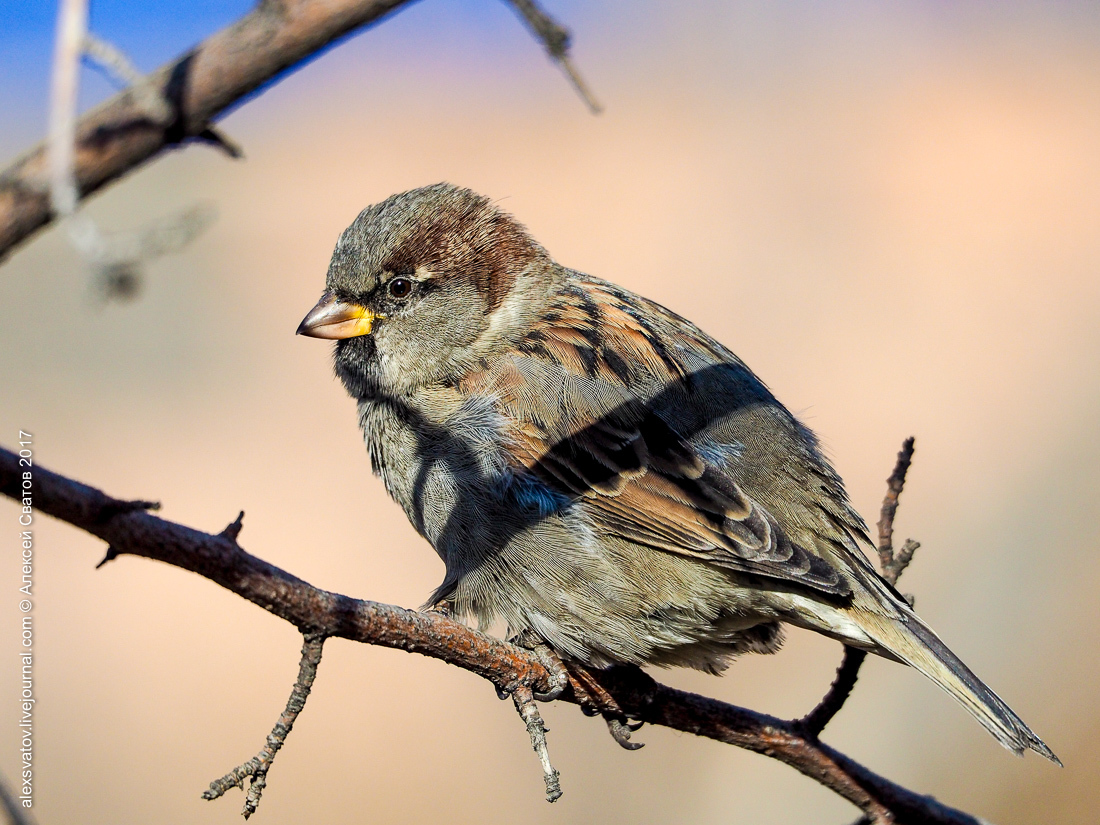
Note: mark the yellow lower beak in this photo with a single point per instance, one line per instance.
(335, 319)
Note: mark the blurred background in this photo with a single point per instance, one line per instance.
(891, 212)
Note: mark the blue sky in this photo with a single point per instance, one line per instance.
(738, 45)
(150, 33)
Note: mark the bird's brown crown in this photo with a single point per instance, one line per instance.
(450, 231)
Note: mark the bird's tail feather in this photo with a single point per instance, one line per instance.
(914, 643)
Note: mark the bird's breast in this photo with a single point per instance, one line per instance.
(440, 457)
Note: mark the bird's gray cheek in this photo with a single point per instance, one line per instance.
(420, 348)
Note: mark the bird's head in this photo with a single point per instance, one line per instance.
(423, 285)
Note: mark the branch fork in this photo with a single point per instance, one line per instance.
(255, 769)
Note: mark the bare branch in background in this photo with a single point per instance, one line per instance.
(17, 814)
(557, 41)
(118, 66)
(893, 565)
(130, 530)
(117, 258)
(120, 134)
(118, 273)
(72, 23)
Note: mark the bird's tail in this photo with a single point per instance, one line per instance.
(906, 638)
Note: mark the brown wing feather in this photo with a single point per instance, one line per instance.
(648, 486)
(639, 477)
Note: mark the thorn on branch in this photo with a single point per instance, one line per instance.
(218, 139)
(524, 700)
(233, 529)
(557, 40)
(116, 507)
(110, 555)
(256, 768)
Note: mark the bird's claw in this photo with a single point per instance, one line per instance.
(620, 731)
(594, 700)
(558, 676)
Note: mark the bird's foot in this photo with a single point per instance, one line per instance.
(593, 698)
(558, 673)
(596, 701)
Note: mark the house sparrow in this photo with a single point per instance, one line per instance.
(594, 469)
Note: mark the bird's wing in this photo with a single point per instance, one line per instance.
(661, 467)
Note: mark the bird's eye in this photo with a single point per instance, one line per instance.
(399, 287)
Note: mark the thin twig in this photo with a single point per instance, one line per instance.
(135, 532)
(901, 561)
(892, 567)
(116, 258)
(557, 40)
(256, 768)
(814, 722)
(72, 24)
(524, 700)
(114, 62)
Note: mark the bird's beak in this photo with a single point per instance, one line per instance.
(337, 319)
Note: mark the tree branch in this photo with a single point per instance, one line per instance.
(129, 529)
(894, 565)
(121, 134)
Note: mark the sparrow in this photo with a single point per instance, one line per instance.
(593, 469)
